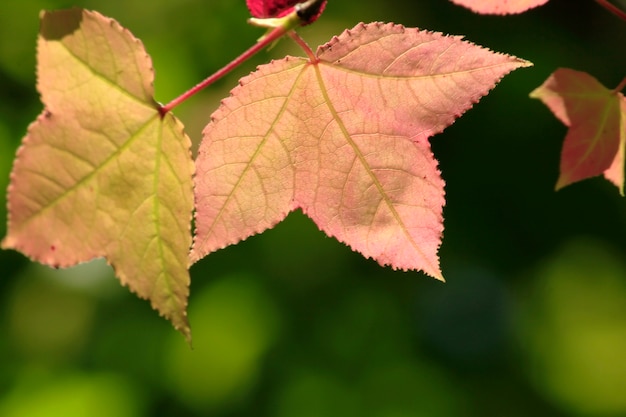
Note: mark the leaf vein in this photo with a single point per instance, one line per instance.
(363, 161)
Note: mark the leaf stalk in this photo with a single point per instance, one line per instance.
(266, 40)
(303, 14)
(620, 86)
(305, 46)
(612, 8)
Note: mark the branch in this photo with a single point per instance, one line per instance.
(621, 86)
(612, 8)
(275, 33)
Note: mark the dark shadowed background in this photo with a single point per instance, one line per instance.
(291, 323)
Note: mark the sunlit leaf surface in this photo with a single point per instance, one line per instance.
(100, 173)
(345, 139)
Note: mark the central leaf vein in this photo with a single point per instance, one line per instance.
(361, 157)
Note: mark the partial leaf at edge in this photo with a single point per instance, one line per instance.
(100, 173)
(345, 140)
(596, 128)
(500, 7)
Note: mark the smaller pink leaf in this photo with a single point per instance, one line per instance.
(499, 6)
(596, 118)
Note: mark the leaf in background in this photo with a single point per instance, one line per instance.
(270, 8)
(100, 173)
(596, 117)
(278, 8)
(346, 140)
(499, 6)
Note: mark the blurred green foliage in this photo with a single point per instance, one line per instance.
(532, 320)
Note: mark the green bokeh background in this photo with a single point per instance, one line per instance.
(291, 323)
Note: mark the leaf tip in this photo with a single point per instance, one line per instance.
(535, 94)
(7, 243)
(177, 317)
(562, 182)
(185, 330)
(524, 63)
(194, 256)
(434, 271)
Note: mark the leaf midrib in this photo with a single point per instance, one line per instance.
(250, 163)
(108, 80)
(335, 115)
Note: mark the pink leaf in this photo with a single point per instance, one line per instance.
(345, 140)
(277, 8)
(596, 117)
(269, 8)
(499, 6)
(100, 173)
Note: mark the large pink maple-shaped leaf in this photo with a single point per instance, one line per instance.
(499, 6)
(344, 138)
(596, 117)
(100, 172)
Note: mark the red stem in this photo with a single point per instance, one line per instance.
(262, 43)
(612, 8)
(305, 47)
(621, 86)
